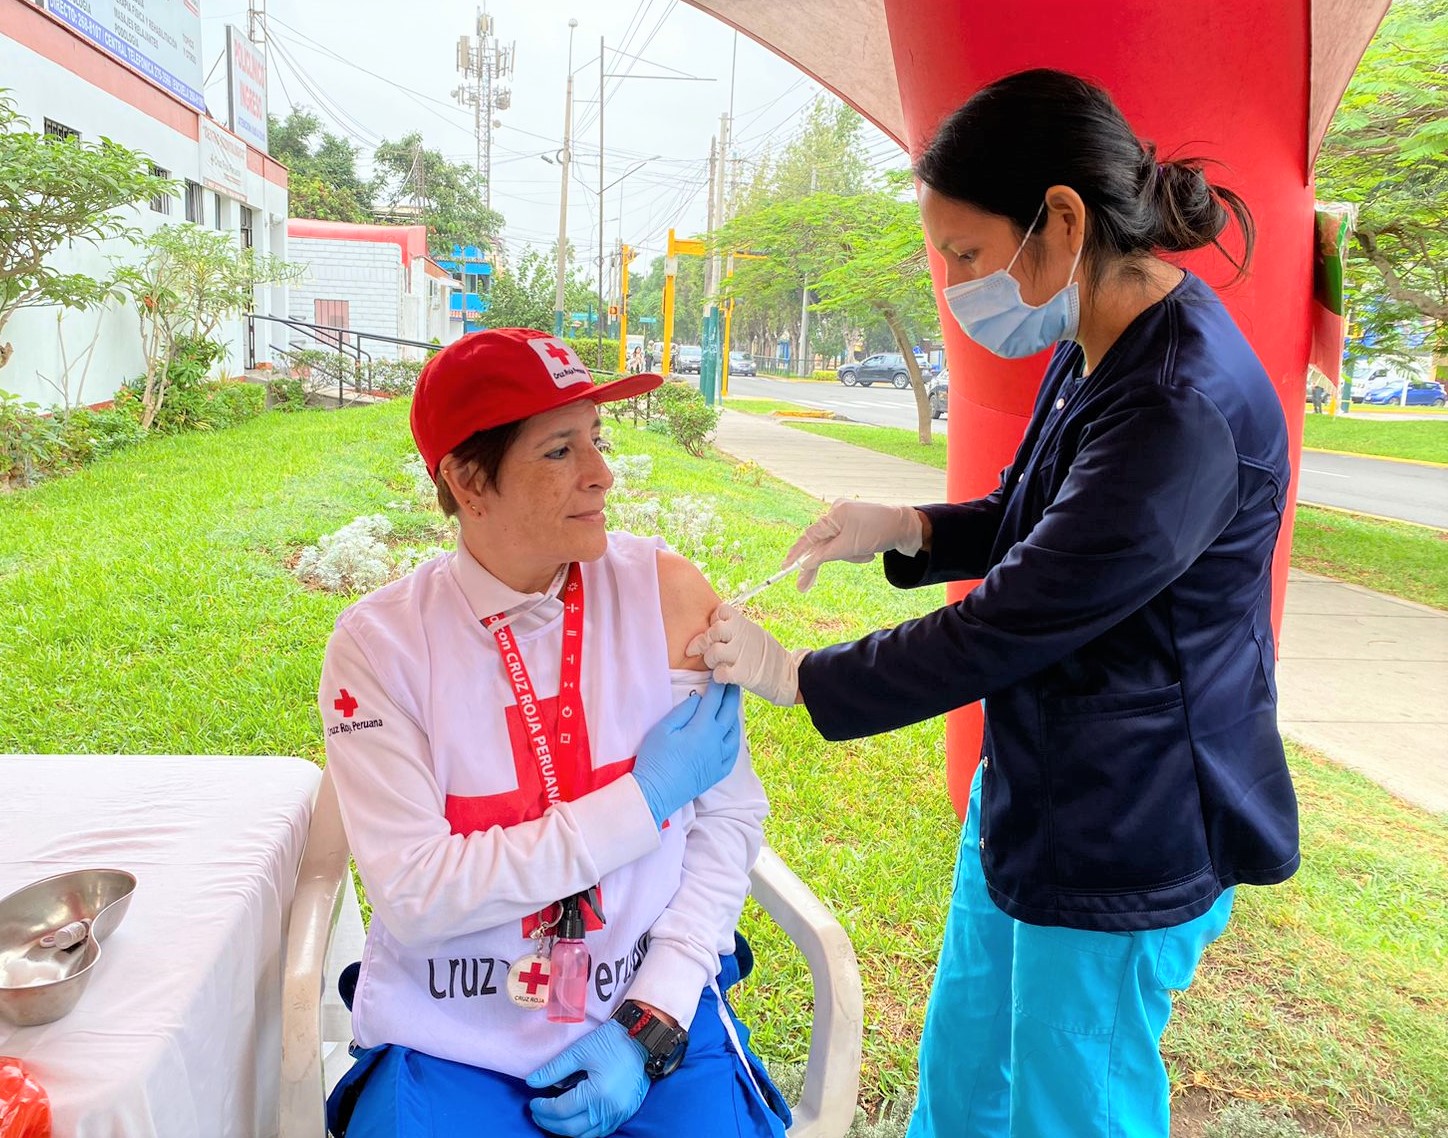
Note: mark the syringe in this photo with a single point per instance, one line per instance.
(773, 578)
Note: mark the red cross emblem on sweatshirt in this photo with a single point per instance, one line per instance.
(346, 705)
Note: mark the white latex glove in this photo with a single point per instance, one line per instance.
(855, 531)
(743, 653)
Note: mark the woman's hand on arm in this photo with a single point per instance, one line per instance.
(744, 653)
(720, 849)
(423, 881)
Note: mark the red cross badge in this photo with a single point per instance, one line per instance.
(528, 981)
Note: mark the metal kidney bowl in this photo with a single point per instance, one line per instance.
(50, 940)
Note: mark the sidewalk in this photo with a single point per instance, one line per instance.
(1359, 674)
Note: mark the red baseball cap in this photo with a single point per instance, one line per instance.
(486, 379)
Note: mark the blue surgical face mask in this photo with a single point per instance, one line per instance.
(991, 312)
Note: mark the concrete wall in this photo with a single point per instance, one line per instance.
(366, 274)
(51, 73)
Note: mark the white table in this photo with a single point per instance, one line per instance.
(179, 1033)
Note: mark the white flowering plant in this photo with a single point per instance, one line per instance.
(352, 560)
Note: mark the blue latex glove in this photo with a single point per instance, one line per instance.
(608, 1097)
(689, 750)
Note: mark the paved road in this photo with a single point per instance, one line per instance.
(1409, 491)
(1399, 490)
(879, 404)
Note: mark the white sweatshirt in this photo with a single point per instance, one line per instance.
(440, 802)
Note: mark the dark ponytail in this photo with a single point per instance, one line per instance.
(1191, 212)
(1020, 135)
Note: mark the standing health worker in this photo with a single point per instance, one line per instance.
(1132, 773)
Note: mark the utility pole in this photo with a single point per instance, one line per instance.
(256, 28)
(564, 157)
(717, 210)
(709, 224)
(804, 367)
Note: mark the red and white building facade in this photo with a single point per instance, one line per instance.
(374, 279)
(62, 81)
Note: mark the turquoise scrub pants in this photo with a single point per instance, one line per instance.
(1036, 1032)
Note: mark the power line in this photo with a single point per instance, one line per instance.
(416, 96)
(351, 127)
(591, 117)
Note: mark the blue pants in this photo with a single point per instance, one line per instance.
(1036, 1032)
(395, 1092)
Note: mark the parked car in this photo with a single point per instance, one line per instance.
(687, 358)
(938, 391)
(882, 367)
(1421, 393)
(741, 363)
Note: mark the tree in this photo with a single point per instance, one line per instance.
(449, 194)
(825, 157)
(322, 179)
(862, 256)
(54, 191)
(1387, 150)
(646, 298)
(523, 296)
(191, 280)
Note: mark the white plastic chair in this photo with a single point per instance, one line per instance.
(311, 1028)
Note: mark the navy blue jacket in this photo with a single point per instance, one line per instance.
(1121, 635)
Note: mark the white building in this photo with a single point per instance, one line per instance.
(372, 279)
(63, 82)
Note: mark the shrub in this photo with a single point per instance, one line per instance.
(29, 442)
(286, 393)
(594, 358)
(87, 435)
(352, 560)
(319, 369)
(185, 398)
(231, 401)
(689, 421)
(823, 375)
(392, 377)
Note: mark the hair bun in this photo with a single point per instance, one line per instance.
(1188, 214)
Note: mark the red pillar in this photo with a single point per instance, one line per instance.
(1226, 81)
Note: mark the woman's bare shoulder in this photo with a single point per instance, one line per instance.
(687, 601)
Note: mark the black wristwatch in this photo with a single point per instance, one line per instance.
(664, 1045)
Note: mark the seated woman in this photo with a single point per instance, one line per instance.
(525, 758)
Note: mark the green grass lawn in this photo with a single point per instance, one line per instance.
(1419, 441)
(150, 610)
(753, 406)
(898, 441)
(1403, 560)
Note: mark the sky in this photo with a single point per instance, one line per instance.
(376, 69)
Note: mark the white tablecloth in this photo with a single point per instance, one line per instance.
(179, 1033)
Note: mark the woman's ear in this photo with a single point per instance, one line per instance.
(1067, 214)
(464, 492)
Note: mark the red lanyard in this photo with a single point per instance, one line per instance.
(548, 752)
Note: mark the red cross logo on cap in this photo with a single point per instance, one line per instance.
(559, 353)
(346, 705)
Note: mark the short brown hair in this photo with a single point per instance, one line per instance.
(481, 457)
